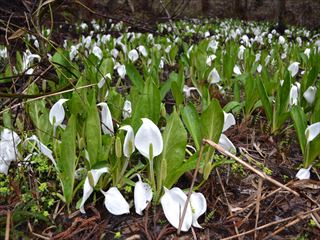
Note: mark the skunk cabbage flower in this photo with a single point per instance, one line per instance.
(103, 80)
(142, 195)
(9, 142)
(149, 134)
(241, 52)
(310, 94)
(213, 76)
(143, 51)
(236, 70)
(224, 141)
(259, 68)
(303, 173)
(307, 52)
(106, 119)
(97, 52)
(122, 71)
(115, 202)
(293, 68)
(87, 188)
(173, 202)
(282, 40)
(187, 90)
(294, 95)
(42, 148)
(210, 58)
(128, 146)
(57, 114)
(133, 55)
(127, 110)
(312, 131)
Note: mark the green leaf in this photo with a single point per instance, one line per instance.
(264, 99)
(67, 161)
(174, 145)
(212, 120)
(93, 132)
(177, 93)
(300, 124)
(135, 76)
(191, 120)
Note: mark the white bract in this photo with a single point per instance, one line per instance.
(173, 202)
(143, 51)
(87, 188)
(121, 70)
(303, 173)
(213, 76)
(106, 119)
(236, 70)
(142, 195)
(310, 94)
(133, 55)
(312, 131)
(293, 68)
(210, 59)
(9, 142)
(127, 110)
(42, 148)
(103, 80)
(224, 141)
(294, 95)
(57, 114)
(187, 90)
(128, 145)
(115, 202)
(97, 52)
(149, 135)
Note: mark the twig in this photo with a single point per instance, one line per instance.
(272, 223)
(7, 237)
(190, 189)
(261, 174)
(258, 205)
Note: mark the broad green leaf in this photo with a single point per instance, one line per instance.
(67, 161)
(135, 76)
(177, 93)
(212, 120)
(300, 124)
(93, 132)
(191, 120)
(264, 99)
(174, 144)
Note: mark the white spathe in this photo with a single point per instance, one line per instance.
(106, 119)
(198, 206)
(227, 144)
(303, 173)
(115, 202)
(127, 109)
(128, 145)
(97, 52)
(57, 114)
(121, 70)
(87, 188)
(142, 195)
(173, 202)
(148, 134)
(42, 148)
(293, 68)
(236, 70)
(8, 149)
(187, 90)
(143, 51)
(229, 121)
(312, 131)
(293, 95)
(310, 94)
(103, 80)
(133, 55)
(213, 76)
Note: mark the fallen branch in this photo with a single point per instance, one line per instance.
(261, 174)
